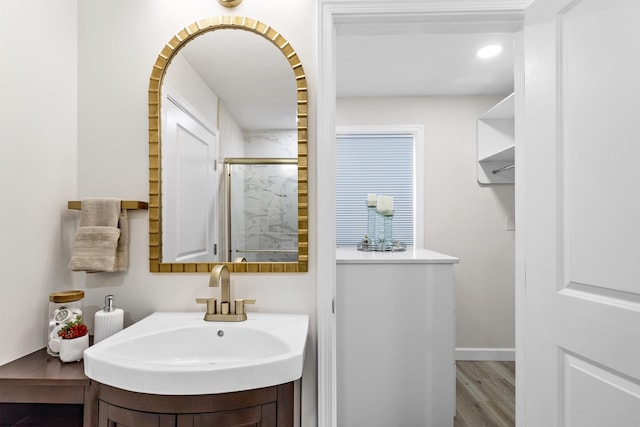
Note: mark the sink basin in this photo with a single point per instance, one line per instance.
(181, 354)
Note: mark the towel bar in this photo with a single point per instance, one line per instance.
(293, 251)
(126, 204)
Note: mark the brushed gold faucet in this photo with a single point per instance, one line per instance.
(220, 277)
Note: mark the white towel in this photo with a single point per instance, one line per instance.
(101, 242)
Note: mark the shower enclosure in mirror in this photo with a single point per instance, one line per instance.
(261, 198)
(228, 88)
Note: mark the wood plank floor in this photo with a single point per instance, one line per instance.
(485, 394)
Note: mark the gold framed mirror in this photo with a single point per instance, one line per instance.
(251, 26)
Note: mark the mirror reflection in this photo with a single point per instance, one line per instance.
(262, 206)
(229, 173)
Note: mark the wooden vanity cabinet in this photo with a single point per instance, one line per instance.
(113, 416)
(265, 407)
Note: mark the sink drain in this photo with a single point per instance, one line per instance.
(220, 333)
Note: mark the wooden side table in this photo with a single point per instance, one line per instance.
(38, 388)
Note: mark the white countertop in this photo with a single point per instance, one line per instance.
(413, 255)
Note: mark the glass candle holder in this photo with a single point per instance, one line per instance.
(387, 219)
(371, 224)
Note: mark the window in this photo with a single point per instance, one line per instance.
(380, 162)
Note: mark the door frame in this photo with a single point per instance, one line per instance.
(330, 14)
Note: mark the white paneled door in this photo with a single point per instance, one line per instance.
(580, 225)
(189, 185)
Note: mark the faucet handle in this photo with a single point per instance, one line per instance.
(240, 304)
(211, 304)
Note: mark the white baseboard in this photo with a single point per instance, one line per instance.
(492, 354)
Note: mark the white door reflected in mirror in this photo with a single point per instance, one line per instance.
(189, 194)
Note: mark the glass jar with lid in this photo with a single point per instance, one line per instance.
(64, 307)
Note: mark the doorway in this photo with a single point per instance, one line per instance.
(333, 16)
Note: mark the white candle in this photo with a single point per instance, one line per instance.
(385, 205)
(371, 199)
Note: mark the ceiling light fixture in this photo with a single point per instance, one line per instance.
(489, 51)
(229, 3)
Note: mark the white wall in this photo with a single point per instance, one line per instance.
(38, 141)
(462, 218)
(182, 80)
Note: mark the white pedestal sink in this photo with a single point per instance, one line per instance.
(181, 354)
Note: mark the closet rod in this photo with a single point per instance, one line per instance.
(502, 169)
(126, 204)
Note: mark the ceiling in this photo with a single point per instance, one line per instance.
(408, 56)
(423, 59)
(250, 76)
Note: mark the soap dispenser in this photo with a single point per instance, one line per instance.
(108, 321)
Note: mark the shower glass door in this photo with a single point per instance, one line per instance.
(262, 217)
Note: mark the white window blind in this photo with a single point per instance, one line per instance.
(382, 164)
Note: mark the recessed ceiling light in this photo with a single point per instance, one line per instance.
(489, 51)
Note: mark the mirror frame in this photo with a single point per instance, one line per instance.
(155, 183)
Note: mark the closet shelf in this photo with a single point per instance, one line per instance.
(502, 110)
(126, 204)
(504, 155)
(496, 143)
